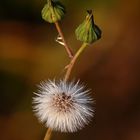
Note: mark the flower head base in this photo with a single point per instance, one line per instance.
(88, 32)
(53, 11)
(63, 106)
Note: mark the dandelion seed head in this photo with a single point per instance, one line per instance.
(63, 106)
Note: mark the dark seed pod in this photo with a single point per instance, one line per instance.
(88, 32)
(53, 11)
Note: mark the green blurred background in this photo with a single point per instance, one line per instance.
(111, 67)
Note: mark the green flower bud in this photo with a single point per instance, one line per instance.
(53, 11)
(88, 32)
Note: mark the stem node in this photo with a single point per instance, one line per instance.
(73, 60)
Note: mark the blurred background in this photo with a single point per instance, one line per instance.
(111, 67)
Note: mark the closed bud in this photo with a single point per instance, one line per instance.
(53, 11)
(88, 32)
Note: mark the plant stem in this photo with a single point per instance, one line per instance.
(68, 50)
(48, 134)
(72, 62)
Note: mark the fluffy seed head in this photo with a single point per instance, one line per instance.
(63, 106)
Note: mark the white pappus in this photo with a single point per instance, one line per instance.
(63, 106)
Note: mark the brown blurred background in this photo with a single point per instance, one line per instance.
(111, 67)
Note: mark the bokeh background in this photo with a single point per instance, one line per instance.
(111, 67)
